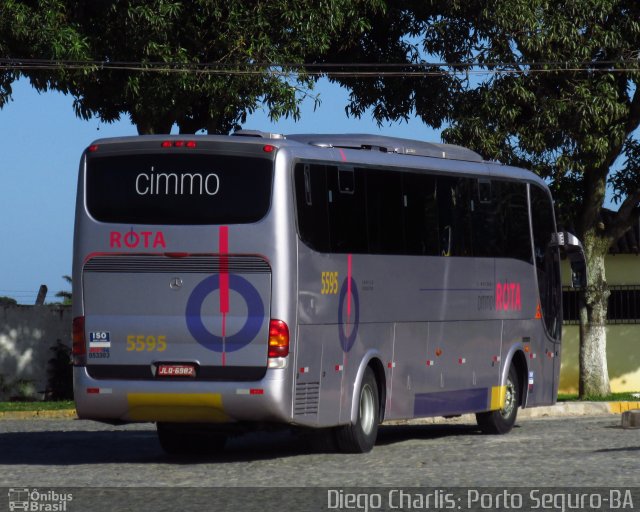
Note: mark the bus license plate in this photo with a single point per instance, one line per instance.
(176, 370)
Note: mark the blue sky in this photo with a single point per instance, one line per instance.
(41, 141)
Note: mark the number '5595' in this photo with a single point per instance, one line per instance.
(141, 343)
(329, 283)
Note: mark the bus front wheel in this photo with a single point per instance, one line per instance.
(502, 420)
(360, 437)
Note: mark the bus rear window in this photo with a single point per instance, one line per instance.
(178, 189)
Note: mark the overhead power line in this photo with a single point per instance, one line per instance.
(347, 70)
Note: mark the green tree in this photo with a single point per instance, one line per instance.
(551, 85)
(65, 295)
(35, 30)
(8, 301)
(200, 64)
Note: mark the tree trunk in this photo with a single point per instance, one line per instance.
(150, 125)
(594, 375)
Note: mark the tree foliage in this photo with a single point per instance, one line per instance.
(200, 64)
(35, 30)
(66, 295)
(551, 85)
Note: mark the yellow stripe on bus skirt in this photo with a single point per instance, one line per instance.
(181, 407)
(498, 396)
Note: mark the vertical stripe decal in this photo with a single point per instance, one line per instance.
(348, 288)
(223, 244)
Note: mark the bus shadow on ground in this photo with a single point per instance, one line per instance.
(116, 446)
(390, 434)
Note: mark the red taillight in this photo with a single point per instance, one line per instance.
(268, 148)
(278, 339)
(79, 341)
(93, 148)
(191, 144)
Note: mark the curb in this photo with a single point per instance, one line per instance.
(67, 414)
(567, 409)
(559, 410)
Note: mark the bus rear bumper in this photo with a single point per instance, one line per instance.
(182, 401)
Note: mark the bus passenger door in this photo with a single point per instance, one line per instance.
(547, 263)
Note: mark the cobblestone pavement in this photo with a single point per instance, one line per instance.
(545, 452)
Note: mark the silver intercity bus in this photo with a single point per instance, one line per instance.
(330, 281)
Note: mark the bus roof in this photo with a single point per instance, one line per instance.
(376, 142)
(374, 147)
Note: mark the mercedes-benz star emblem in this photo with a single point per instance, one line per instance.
(176, 283)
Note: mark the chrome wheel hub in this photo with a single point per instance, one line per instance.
(509, 400)
(366, 409)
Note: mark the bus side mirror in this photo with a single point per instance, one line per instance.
(572, 248)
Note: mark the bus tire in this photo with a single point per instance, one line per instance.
(360, 437)
(502, 420)
(190, 440)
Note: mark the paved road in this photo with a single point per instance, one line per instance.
(591, 451)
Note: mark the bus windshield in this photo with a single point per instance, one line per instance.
(178, 188)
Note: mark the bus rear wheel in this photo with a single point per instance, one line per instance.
(190, 439)
(360, 437)
(502, 420)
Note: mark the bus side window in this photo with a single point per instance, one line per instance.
(420, 214)
(485, 217)
(499, 220)
(311, 205)
(384, 212)
(347, 210)
(485, 195)
(307, 185)
(445, 196)
(516, 220)
(346, 180)
(454, 215)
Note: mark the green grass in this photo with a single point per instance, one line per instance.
(36, 406)
(613, 397)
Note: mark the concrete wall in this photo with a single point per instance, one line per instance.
(623, 340)
(623, 358)
(26, 335)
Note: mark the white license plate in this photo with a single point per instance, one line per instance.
(176, 370)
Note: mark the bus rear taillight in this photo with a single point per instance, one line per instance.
(79, 342)
(278, 339)
(191, 144)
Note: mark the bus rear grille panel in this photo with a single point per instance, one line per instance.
(168, 265)
(307, 398)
